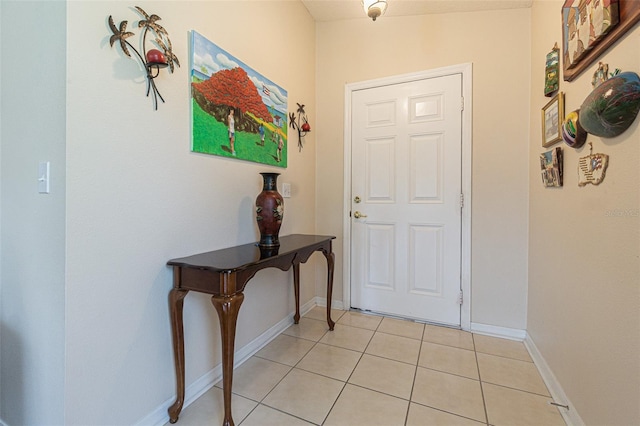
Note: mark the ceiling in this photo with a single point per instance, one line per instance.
(335, 10)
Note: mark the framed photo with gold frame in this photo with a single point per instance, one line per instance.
(552, 117)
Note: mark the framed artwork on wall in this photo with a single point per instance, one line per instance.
(236, 112)
(552, 118)
(590, 27)
(551, 167)
(552, 72)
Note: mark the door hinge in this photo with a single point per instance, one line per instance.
(461, 200)
(460, 299)
(462, 103)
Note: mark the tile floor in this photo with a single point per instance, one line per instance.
(374, 370)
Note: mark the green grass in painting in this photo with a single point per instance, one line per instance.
(212, 137)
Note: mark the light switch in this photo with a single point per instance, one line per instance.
(43, 177)
(286, 190)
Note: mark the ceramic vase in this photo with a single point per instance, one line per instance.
(269, 211)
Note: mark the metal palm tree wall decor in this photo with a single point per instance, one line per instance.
(301, 124)
(153, 59)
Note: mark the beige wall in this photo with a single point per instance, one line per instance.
(584, 268)
(497, 43)
(137, 197)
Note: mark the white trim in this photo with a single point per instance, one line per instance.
(466, 70)
(335, 304)
(502, 332)
(570, 416)
(195, 390)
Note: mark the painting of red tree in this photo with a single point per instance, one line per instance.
(236, 112)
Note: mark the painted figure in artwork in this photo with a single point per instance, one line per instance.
(232, 131)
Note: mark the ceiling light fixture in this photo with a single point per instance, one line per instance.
(374, 8)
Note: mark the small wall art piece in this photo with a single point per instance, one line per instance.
(552, 72)
(572, 132)
(600, 75)
(551, 167)
(236, 111)
(552, 117)
(592, 168)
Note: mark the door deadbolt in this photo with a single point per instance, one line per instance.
(356, 199)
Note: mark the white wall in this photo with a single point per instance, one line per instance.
(32, 239)
(584, 298)
(498, 45)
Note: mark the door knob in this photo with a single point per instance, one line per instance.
(358, 215)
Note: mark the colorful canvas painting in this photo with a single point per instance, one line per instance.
(552, 72)
(585, 23)
(236, 112)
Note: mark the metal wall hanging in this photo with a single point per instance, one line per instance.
(592, 168)
(300, 123)
(153, 59)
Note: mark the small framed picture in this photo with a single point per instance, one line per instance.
(552, 117)
(552, 72)
(551, 167)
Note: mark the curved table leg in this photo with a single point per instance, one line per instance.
(296, 291)
(227, 308)
(330, 264)
(176, 302)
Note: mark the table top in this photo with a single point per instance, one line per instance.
(240, 257)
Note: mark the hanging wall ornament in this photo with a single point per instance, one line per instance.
(592, 168)
(552, 72)
(153, 59)
(572, 132)
(301, 124)
(612, 106)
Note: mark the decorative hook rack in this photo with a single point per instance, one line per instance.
(300, 123)
(153, 59)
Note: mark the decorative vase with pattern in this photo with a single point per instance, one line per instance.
(269, 211)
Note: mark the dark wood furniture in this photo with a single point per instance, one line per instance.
(224, 274)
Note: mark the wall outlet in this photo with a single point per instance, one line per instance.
(286, 190)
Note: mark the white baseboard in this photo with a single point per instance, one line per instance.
(503, 332)
(195, 390)
(570, 416)
(336, 304)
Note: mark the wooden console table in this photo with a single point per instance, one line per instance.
(224, 274)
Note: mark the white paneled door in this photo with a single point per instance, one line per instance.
(406, 199)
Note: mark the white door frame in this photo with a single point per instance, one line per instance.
(466, 70)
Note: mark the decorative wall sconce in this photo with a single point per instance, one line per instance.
(153, 59)
(300, 123)
(374, 8)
